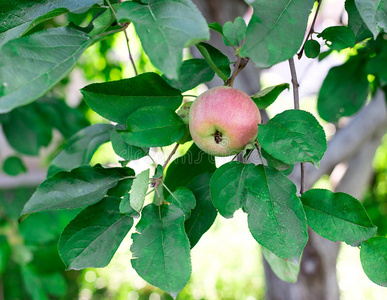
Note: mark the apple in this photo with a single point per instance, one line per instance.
(223, 120)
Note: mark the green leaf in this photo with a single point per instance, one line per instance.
(373, 13)
(228, 191)
(31, 65)
(355, 22)
(373, 256)
(20, 16)
(139, 189)
(216, 27)
(117, 100)
(165, 28)
(32, 284)
(285, 270)
(80, 148)
(338, 37)
(293, 136)
(276, 217)
(204, 213)
(192, 72)
(337, 216)
(184, 169)
(266, 97)
(5, 253)
(343, 91)
(312, 48)
(217, 61)
(14, 166)
(276, 30)
(184, 199)
(376, 64)
(81, 187)
(92, 238)
(234, 33)
(161, 250)
(145, 130)
(104, 21)
(125, 150)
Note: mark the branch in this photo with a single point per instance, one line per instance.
(239, 66)
(311, 30)
(296, 98)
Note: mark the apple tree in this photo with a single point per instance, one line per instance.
(172, 205)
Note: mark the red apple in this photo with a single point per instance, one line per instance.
(223, 120)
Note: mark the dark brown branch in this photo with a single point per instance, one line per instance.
(311, 30)
(239, 66)
(296, 98)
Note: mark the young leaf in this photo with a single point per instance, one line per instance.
(276, 30)
(31, 65)
(312, 48)
(373, 256)
(192, 72)
(80, 148)
(355, 22)
(216, 27)
(184, 199)
(184, 169)
(266, 97)
(125, 150)
(234, 33)
(204, 213)
(145, 130)
(276, 217)
(20, 16)
(344, 90)
(337, 216)
(338, 37)
(92, 238)
(14, 166)
(81, 187)
(161, 250)
(216, 60)
(293, 136)
(228, 191)
(139, 189)
(373, 13)
(116, 100)
(285, 270)
(165, 27)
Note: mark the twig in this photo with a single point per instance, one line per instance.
(311, 30)
(170, 156)
(296, 98)
(126, 37)
(113, 31)
(239, 66)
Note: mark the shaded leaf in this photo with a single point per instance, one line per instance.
(5, 253)
(234, 33)
(144, 130)
(31, 65)
(275, 163)
(228, 191)
(337, 216)
(125, 150)
(204, 213)
(373, 13)
(312, 48)
(117, 100)
(343, 91)
(161, 250)
(338, 37)
(355, 22)
(80, 148)
(81, 187)
(373, 256)
(293, 136)
(184, 199)
(217, 61)
(92, 238)
(276, 30)
(165, 27)
(266, 97)
(14, 166)
(192, 72)
(276, 217)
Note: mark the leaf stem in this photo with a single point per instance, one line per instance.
(296, 98)
(170, 156)
(311, 30)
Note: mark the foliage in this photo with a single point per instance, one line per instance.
(189, 191)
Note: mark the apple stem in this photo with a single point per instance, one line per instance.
(296, 97)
